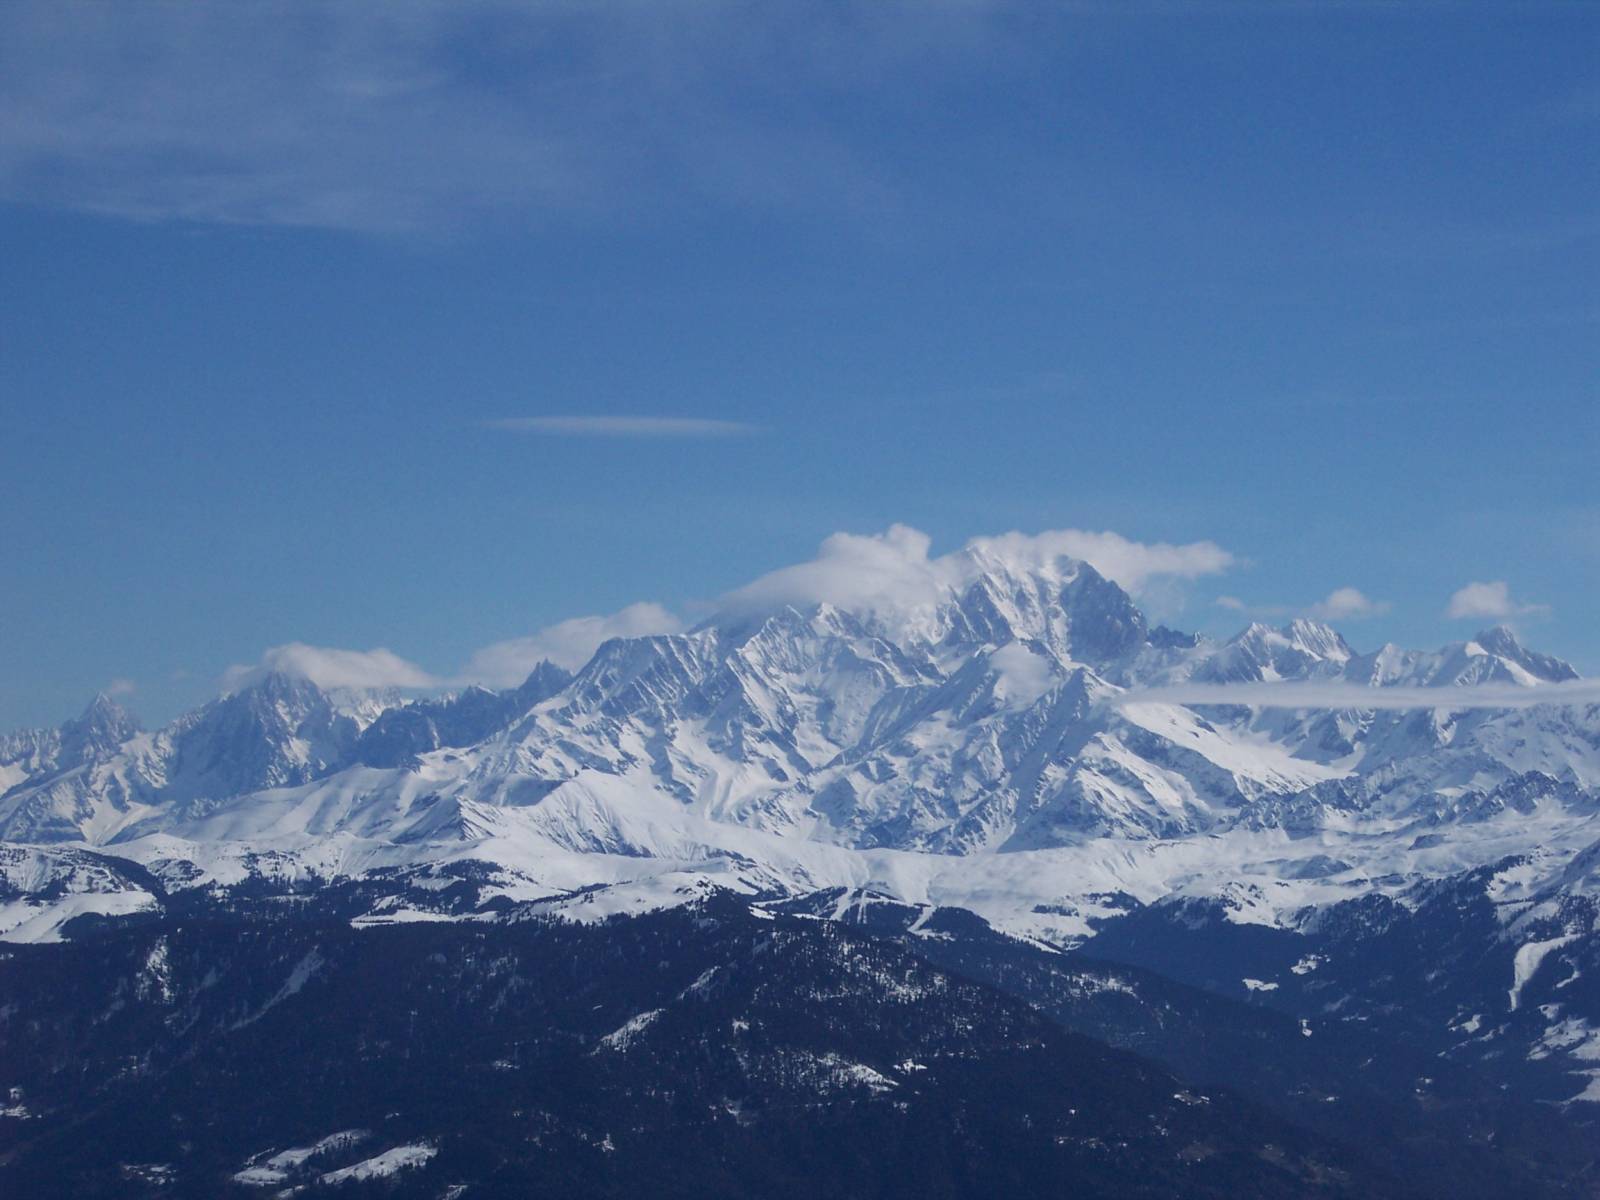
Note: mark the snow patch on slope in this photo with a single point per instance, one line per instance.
(1527, 961)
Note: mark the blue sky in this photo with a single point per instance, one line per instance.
(285, 295)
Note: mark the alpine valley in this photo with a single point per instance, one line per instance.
(981, 887)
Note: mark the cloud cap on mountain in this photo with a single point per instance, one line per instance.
(893, 569)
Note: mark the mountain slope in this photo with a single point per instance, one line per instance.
(979, 745)
(703, 1052)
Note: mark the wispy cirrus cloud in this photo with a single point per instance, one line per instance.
(1489, 601)
(440, 115)
(624, 426)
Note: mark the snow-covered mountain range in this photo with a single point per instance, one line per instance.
(1412, 833)
(1007, 742)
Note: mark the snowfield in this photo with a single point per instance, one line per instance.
(996, 742)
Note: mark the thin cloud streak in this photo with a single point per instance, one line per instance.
(624, 427)
(1343, 696)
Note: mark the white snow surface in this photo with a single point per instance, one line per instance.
(982, 740)
(1527, 961)
(390, 1162)
(622, 1037)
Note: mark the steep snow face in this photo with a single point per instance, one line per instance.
(1065, 607)
(1492, 656)
(402, 732)
(988, 714)
(80, 781)
(1401, 757)
(99, 778)
(984, 726)
(106, 776)
(1300, 650)
(281, 731)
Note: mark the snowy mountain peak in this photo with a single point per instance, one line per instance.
(104, 722)
(988, 594)
(277, 730)
(1498, 639)
(103, 710)
(997, 561)
(780, 741)
(1302, 649)
(1315, 637)
(544, 681)
(1492, 656)
(270, 687)
(1502, 643)
(1064, 606)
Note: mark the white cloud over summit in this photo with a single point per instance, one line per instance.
(505, 664)
(1491, 600)
(1121, 560)
(850, 570)
(889, 570)
(894, 570)
(328, 667)
(568, 644)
